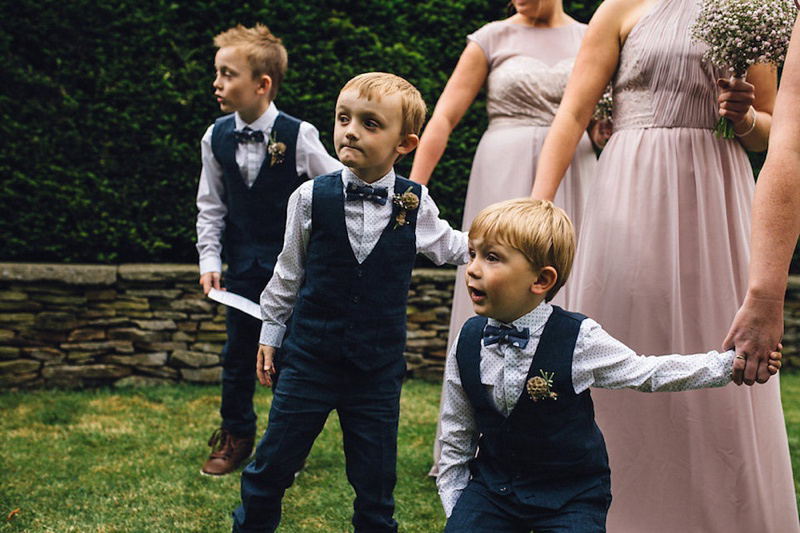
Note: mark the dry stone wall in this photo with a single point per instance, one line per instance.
(90, 325)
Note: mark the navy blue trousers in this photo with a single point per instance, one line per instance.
(239, 354)
(479, 510)
(368, 405)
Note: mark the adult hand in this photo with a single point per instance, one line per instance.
(735, 98)
(599, 132)
(209, 280)
(756, 331)
(265, 367)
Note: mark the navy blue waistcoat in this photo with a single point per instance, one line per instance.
(347, 310)
(548, 451)
(256, 218)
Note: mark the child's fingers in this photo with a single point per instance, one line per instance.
(264, 367)
(260, 369)
(775, 362)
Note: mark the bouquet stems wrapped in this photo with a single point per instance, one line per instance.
(741, 33)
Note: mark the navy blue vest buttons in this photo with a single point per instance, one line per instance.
(356, 311)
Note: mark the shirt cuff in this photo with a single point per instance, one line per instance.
(272, 334)
(210, 264)
(449, 499)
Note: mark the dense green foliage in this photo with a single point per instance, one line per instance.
(104, 104)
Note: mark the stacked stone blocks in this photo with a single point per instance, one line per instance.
(91, 325)
(94, 325)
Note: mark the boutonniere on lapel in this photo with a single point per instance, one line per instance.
(408, 201)
(539, 387)
(276, 150)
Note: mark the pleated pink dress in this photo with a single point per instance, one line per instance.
(528, 72)
(662, 265)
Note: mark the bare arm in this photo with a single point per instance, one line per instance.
(595, 65)
(460, 91)
(758, 326)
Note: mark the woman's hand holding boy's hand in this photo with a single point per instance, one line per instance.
(774, 364)
(265, 367)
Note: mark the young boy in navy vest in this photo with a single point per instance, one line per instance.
(253, 159)
(517, 384)
(344, 274)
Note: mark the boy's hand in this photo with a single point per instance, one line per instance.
(775, 361)
(265, 367)
(209, 280)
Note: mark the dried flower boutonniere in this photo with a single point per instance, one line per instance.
(406, 202)
(277, 151)
(539, 387)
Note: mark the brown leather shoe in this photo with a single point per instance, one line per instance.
(228, 452)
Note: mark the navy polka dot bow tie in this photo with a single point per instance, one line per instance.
(515, 337)
(248, 135)
(367, 192)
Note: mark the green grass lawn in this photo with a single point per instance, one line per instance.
(129, 461)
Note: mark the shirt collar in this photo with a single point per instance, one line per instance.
(263, 123)
(534, 320)
(386, 181)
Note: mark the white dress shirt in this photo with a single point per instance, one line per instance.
(311, 160)
(365, 221)
(599, 361)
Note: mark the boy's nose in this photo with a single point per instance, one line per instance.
(350, 132)
(473, 271)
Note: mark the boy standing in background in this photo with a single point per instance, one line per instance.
(253, 159)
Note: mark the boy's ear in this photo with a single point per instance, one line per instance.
(264, 84)
(407, 144)
(545, 281)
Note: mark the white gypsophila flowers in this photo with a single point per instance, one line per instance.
(605, 106)
(741, 33)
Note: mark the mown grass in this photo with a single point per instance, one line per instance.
(128, 460)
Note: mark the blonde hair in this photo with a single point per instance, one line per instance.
(264, 52)
(373, 85)
(542, 232)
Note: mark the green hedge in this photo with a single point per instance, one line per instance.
(104, 102)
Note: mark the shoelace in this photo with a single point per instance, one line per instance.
(219, 441)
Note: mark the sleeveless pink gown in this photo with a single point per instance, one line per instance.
(662, 265)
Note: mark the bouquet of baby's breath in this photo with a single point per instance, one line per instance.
(604, 107)
(741, 33)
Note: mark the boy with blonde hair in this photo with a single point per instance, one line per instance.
(253, 159)
(517, 384)
(343, 275)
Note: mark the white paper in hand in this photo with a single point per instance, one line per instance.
(236, 301)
